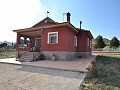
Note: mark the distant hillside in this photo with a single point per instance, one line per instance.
(107, 41)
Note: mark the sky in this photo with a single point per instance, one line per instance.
(101, 17)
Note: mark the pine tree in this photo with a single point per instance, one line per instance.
(114, 43)
(99, 43)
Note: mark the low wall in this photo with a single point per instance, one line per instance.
(84, 54)
(20, 53)
(65, 55)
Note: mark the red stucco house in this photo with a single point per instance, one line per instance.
(47, 37)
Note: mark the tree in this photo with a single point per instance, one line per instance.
(99, 43)
(3, 45)
(114, 43)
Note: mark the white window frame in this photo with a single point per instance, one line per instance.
(88, 42)
(75, 41)
(49, 37)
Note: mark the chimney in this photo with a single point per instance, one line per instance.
(68, 17)
(80, 24)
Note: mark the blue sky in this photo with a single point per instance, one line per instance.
(101, 17)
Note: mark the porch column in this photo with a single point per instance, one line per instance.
(17, 40)
(25, 40)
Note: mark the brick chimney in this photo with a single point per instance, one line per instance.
(68, 17)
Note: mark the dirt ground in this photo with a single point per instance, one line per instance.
(17, 77)
(114, 54)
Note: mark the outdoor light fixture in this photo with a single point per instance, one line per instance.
(41, 30)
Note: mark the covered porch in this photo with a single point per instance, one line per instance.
(28, 44)
(29, 40)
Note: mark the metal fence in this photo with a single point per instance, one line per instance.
(111, 49)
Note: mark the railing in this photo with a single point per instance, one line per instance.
(35, 49)
(19, 55)
(24, 47)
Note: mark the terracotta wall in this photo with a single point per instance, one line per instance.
(70, 40)
(65, 40)
(83, 42)
(60, 46)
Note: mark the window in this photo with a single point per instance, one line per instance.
(88, 41)
(53, 37)
(90, 44)
(75, 41)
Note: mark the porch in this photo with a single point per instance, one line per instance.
(28, 46)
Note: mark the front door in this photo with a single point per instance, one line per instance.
(38, 44)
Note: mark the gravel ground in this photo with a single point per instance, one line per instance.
(17, 77)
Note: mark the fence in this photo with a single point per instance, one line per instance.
(111, 49)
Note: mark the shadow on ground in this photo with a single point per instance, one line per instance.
(53, 72)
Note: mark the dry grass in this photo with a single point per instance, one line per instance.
(7, 54)
(107, 76)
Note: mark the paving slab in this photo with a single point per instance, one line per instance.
(74, 65)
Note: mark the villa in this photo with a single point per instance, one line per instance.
(49, 38)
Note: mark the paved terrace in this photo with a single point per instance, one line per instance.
(75, 65)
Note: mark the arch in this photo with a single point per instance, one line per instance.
(22, 40)
(28, 39)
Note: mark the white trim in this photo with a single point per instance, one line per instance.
(88, 43)
(75, 41)
(49, 38)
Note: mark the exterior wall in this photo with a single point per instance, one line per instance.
(60, 46)
(65, 40)
(83, 42)
(70, 40)
(59, 55)
(83, 54)
(65, 55)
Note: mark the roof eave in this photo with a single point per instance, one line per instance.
(51, 26)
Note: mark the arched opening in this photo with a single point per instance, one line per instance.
(28, 40)
(22, 40)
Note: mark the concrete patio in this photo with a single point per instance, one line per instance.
(75, 65)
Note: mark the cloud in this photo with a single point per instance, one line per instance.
(16, 14)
